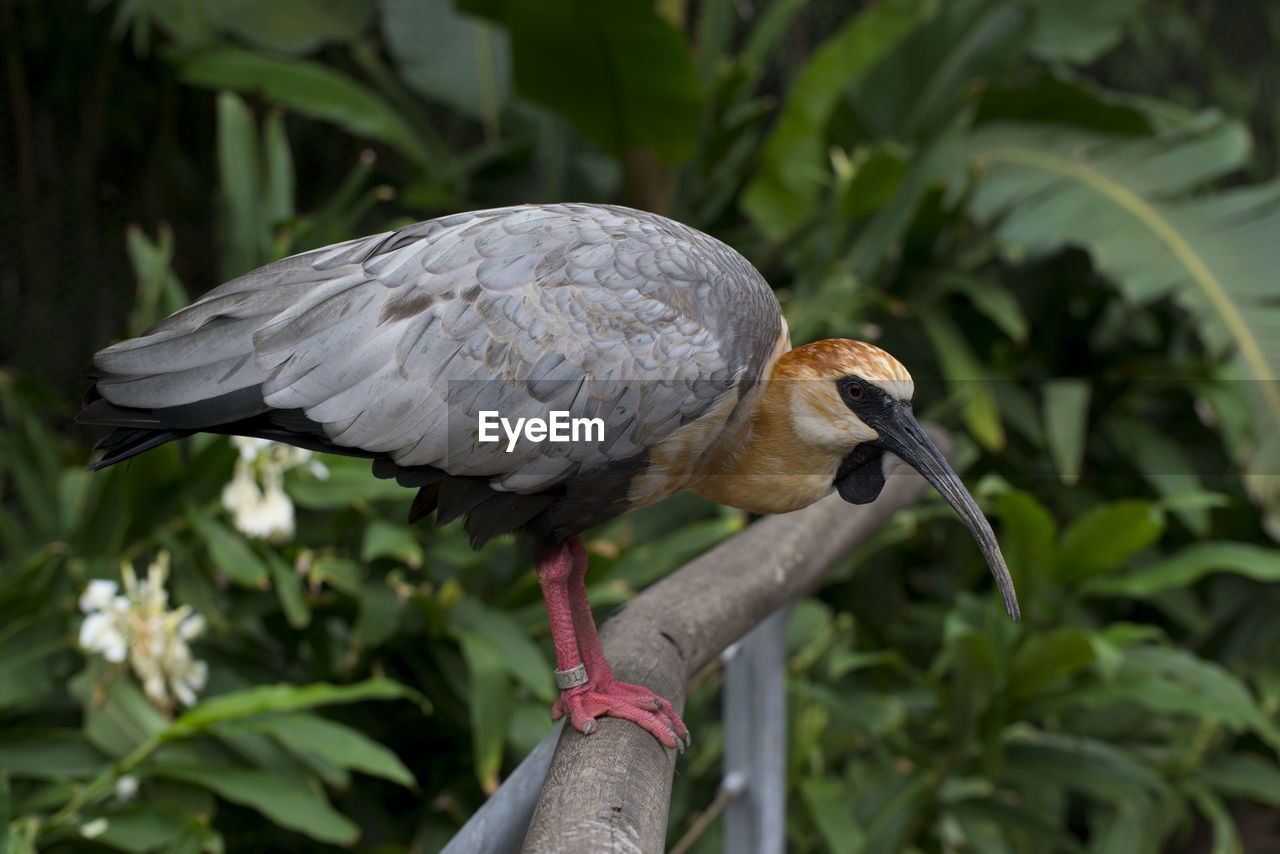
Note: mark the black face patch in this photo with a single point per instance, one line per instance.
(861, 474)
(865, 400)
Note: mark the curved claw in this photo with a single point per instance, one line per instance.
(622, 700)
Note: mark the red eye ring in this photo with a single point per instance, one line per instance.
(853, 390)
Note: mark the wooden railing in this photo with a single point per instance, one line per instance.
(611, 791)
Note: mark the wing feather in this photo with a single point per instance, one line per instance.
(394, 343)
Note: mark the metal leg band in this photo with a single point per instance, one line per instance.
(571, 678)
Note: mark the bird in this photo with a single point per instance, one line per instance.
(393, 347)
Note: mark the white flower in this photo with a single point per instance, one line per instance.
(126, 787)
(93, 829)
(101, 633)
(140, 628)
(98, 595)
(255, 496)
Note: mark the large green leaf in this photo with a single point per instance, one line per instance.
(1243, 776)
(1089, 766)
(307, 88)
(289, 803)
(48, 754)
(228, 552)
(966, 378)
(1136, 206)
(292, 26)
(490, 702)
(1104, 537)
(621, 73)
(282, 698)
(1066, 425)
(793, 171)
(1188, 566)
(1227, 697)
(921, 84)
(448, 56)
(1081, 30)
(332, 742)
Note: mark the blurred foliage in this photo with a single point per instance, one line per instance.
(1080, 277)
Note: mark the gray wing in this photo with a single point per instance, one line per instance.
(394, 343)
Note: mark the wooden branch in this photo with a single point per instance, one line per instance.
(610, 791)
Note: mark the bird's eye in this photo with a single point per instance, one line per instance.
(853, 390)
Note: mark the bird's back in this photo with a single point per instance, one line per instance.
(390, 346)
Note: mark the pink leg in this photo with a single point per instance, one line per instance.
(573, 631)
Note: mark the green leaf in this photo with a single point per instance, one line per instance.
(1124, 830)
(994, 812)
(923, 83)
(620, 72)
(332, 742)
(293, 599)
(228, 552)
(1052, 96)
(896, 810)
(973, 684)
(123, 722)
(241, 173)
(995, 300)
(386, 539)
(966, 378)
(1134, 205)
(140, 829)
(380, 610)
(1028, 534)
(1104, 537)
(6, 810)
(1066, 425)
(1229, 698)
(289, 803)
(292, 26)
(1260, 563)
(1167, 468)
(792, 170)
(307, 88)
(1079, 31)
(523, 659)
(489, 700)
(159, 290)
(1087, 766)
(349, 482)
(458, 59)
(1226, 840)
(827, 802)
(192, 839)
(1242, 776)
(28, 672)
(284, 698)
(277, 172)
(877, 172)
(48, 754)
(1042, 659)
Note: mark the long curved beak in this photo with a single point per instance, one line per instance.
(903, 435)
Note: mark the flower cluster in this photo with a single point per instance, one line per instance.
(255, 497)
(139, 627)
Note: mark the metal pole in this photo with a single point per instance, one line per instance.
(755, 748)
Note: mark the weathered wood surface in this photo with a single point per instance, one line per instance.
(610, 791)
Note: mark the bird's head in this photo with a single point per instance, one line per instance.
(854, 399)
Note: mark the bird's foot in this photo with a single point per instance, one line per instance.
(634, 703)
